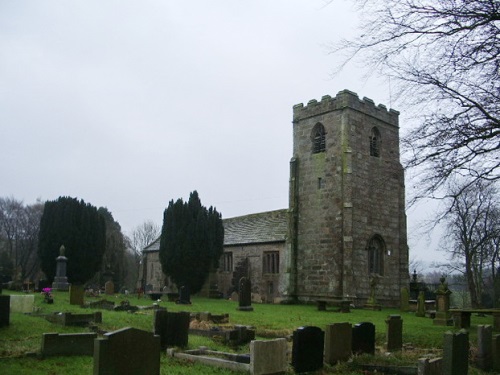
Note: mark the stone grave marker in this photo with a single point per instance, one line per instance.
(338, 342)
(234, 296)
(420, 304)
(443, 315)
(363, 338)
(484, 345)
(76, 293)
(68, 344)
(4, 310)
(109, 288)
(268, 357)
(21, 303)
(456, 353)
(127, 351)
(171, 327)
(495, 350)
(184, 295)
(394, 333)
(60, 280)
(307, 349)
(245, 295)
(428, 366)
(405, 299)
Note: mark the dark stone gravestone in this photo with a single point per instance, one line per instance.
(127, 351)
(67, 344)
(245, 295)
(184, 296)
(405, 299)
(171, 327)
(76, 293)
(394, 333)
(456, 353)
(363, 338)
(307, 350)
(420, 305)
(496, 352)
(485, 347)
(4, 310)
(60, 280)
(109, 288)
(338, 342)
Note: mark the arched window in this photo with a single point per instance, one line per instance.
(376, 250)
(375, 142)
(318, 138)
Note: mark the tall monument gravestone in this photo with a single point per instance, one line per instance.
(60, 280)
(443, 315)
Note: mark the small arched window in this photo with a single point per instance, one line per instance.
(376, 250)
(318, 138)
(375, 142)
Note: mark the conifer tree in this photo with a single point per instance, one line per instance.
(191, 242)
(80, 228)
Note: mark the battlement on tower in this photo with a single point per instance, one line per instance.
(345, 99)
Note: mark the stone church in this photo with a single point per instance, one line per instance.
(345, 224)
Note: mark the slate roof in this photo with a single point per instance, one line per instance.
(263, 227)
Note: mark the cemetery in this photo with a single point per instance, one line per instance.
(164, 337)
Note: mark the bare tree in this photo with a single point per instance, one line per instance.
(443, 58)
(142, 236)
(472, 228)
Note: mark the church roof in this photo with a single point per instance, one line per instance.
(263, 227)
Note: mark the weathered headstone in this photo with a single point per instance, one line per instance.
(68, 344)
(363, 338)
(420, 304)
(484, 346)
(456, 353)
(184, 295)
(338, 342)
(76, 293)
(21, 304)
(496, 352)
(127, 351)
(245, 295)
(4, 310)
(172, 328)
(234, 296)
(394, 334)
(109, 288)
(268, 357)
(60, 280)
(372, 303)
(428, 366)
(307, 350)
(405, 299)
(443, 315)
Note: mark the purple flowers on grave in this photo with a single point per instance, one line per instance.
(48, 296)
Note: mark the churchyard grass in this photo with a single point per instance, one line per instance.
(23, 335)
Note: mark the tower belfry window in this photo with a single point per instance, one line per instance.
(375, 143)
(318, 138)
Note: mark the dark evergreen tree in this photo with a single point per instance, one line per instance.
(192, 239)
(80, 228)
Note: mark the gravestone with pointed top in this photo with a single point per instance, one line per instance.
(61, 280)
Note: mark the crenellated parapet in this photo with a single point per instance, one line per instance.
(345, 99)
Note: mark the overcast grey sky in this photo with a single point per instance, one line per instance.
(129, 104)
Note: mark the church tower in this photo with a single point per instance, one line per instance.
(347, 221)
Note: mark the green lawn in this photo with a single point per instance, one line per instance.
(20, 342)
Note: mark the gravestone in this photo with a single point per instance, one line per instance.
(428, 366)
(76, 293)
(109, 288)
(372, 303)
(420, 304)
(68, 344)
(21, 303)
(268, 357)
(338, 342)
(245, 295)
(484, 346)
(405, 299)
(443, 315)
(394, 334)
(363, 338)
(456, 353)
(307, 349)
(234, 296)
(60, 280)
(495, 350)
(4, 310)
(127, 351)
(171, 327)
(184, 295)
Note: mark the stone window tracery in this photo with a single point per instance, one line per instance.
(227, 262)
(271, 262)
(318, 138)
